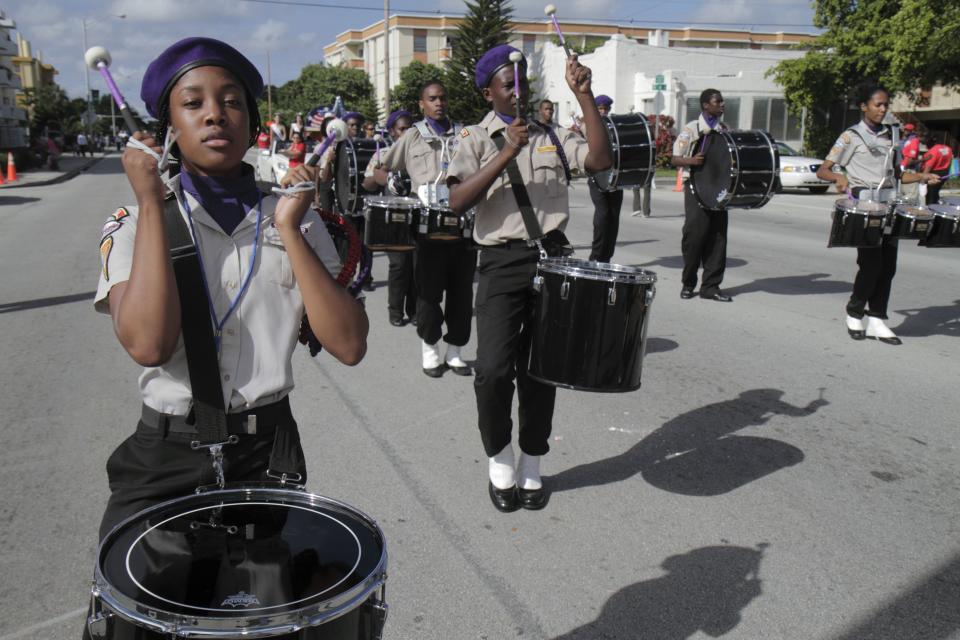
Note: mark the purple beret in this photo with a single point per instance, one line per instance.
(603, 100)
(396, 115)
(492, 61)
(352, 115)
(188, 54)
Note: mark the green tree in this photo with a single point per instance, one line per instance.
(320, 84)
(906, 45)
(406, 95)
(52, 108)
(486, 25)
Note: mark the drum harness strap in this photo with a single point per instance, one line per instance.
(208, 411)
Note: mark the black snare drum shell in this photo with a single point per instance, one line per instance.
(944, 232)
(388, 230)
(585, 343)
(855, 230)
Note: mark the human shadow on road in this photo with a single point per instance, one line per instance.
(810, 284)
(695, 454)
(619, 245)
(660, 345)
(704, 590)
(931, 321)
(4, 200)
(37, 303)
(676, 262)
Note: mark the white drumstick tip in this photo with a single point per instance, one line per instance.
(95, 55)
(338, 128)
(549, 10)
(516, 56)
(378, 138)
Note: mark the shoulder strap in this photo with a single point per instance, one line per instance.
(530, 222)
(202, 360)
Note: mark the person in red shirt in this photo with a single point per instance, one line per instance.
(936, 160)
(911, 149)
(297, 151)
(263, 139)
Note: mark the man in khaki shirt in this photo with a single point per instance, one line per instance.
(444, 269)
(508, 262)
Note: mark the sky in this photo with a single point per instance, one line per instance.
(294, 34)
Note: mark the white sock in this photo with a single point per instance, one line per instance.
(502, 473)
(878, 329)
(855, 324)
(431, 355)
(528, 472)
(453, 356)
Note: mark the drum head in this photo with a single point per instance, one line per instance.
(237, 554)
(712, 179)
(392, 202)
(945, 211)
(576, 268)
(862, 207)
(912, 211)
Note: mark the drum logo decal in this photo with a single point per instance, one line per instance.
(241, 599)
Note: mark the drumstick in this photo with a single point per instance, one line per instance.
(515, 58)
(336, 131)
(551, 11)
(378, 139)
(98, 58)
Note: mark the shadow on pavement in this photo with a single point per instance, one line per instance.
(660, 345)
(930, 610)
(676, 262)
(931, 321)
(38, 303)
(695, 454)
(810, 284)
(619, 245)
(704, 590)
(16, 199)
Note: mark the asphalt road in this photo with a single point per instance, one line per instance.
(771, 479)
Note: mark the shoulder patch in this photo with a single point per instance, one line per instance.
(106, 245)
(844, 138)
(464, 133)
(836, 149)
(113, 223)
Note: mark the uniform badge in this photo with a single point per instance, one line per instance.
(844, 139)
(464, 133)
(548, 148)
(106, 245)
(113, 223)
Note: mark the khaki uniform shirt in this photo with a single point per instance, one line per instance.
(419, 156)
(864, 155)
(498, 214)
(258, 339)
(687, 143)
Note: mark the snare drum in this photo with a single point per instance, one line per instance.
(590, 324)
(944, 228)
(251, 562)
(350, 162)
(390, 222)
(740, 170)
(439, 223)
(634, 153)
(857, 223)
(909, 221)
(950, 201)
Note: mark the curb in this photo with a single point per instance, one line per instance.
(73, 173)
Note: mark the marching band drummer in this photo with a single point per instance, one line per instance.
(865, 153)
(508, 262)
(444, 270)
(264, 261)
(606, 206)
(704, 240)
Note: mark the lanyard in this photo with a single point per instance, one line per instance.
(203, 270)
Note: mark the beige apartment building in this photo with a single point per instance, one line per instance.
(34, 73)
(13, 119)
(431, 39)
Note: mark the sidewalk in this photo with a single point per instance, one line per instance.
(70, 167)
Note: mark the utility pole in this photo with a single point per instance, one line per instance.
(386, 57)
(86, 78)
(269, 95)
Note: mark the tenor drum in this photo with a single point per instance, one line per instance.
(590, 324)
(350, 162)
(857, 223)
(439, 223)
(634, 153)
(251, 562)
(950, 201)
(390, 222)
(740, 170)
(944, 228)
(910, 221)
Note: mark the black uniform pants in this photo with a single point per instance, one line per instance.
(606, 222)
(933, 190)
(505, 308)
(704, 243)
(445, 274)
(401, 287)
(871, 288)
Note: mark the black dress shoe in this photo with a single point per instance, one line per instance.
(686, 293)
(412, 321)
(436, 372)
(532, 499)
(397, 322)
(718, 296)
(505, 500)
(465, 370)
(857, 335)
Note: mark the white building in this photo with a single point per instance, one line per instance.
(13, 119)
(626, 70)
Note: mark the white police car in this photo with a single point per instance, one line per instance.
(800, 172)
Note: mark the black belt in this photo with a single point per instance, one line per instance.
(259, 420)
(512, 245)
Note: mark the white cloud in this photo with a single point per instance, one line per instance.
(765, 13)
(174, 10)
(269, 36)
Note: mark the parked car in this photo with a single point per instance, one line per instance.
(271, 167)
(800, 172)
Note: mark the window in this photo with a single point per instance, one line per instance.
(420, 41)
(731, 112)
(529, 43)
(771, 114)
(761, 111)
(693, 108)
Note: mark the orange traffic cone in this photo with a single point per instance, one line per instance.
(679, 185)
(11, 168)
(2, 181)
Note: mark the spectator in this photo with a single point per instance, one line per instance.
(297, 151)
(936, 160)
(81, 144)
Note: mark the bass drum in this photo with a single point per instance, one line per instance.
(740, 170)
(590, 324)
(349, 164)
(634, 153)
(252, 562)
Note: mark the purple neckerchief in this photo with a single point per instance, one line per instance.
(439, 126)
(711, 120)
(227, 200)
(876, 129)
(506, 118)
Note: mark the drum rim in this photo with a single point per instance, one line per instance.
(613, 173)
(386, 201)
(945, 211)
(580, 268)
(904, 210)
(314, 614)
(846, 205)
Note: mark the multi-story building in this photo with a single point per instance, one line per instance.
(34, 73)
(431, 39)
(13, 119)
